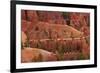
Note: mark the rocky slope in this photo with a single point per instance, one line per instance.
(54, 36)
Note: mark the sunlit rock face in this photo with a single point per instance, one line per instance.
(23, 38)
(42, 30)
(36, 55)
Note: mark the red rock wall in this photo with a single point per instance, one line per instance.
(81, 22)
(38, 25)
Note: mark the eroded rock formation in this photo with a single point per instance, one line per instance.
(53, 36)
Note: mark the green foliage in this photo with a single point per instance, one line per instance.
(81, 56)
(61, 49)
(87, 40)
(22, 47)
(60, 52)
(27, 43)
(40, 58)
(38, 44)
(65, 15)
(37, 59)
